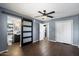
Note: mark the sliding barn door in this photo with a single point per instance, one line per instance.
(64, 31)
(27, 31)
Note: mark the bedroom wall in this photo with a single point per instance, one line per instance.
(3, 28)
(3, 32)
(35, 31)
(75, 19)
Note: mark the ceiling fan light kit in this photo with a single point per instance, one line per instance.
(44, 17)
(45, 14)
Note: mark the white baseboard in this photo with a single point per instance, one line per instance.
(20, 45)
(3, 51)
(78, 46)
(74, 45)
(52, 40)
(56, 41)
(35, 41)
(70, 44)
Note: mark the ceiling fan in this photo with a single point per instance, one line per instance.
(44, 13)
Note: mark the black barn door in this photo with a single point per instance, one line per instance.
(27, 31)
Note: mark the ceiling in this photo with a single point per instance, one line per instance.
(31, 9)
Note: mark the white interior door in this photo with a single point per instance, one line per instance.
(64, 31)
(42, 32)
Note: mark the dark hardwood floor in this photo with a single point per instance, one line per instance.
(43, 48)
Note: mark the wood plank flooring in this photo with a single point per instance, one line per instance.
(43, 48)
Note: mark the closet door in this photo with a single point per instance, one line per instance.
(27, 31)
(64, 31)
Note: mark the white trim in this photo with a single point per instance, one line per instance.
(59, 42)
(35, 41)
(47, 30)
(52, 40)
(3, 51)
(69, 44)
(20, 45)
(66, 43)
(74, 45)
(71, 31)
(78, 46)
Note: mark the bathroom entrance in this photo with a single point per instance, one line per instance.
(13, 30)
(44, 31)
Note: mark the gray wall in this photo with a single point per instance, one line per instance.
(35, 23)
(3, 28)
(76, 30)
(3, 32)
(52, 30)
(75, 19)
(35, 31)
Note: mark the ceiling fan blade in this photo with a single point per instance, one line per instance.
(50, 16)
(40, 12)
(51, 12)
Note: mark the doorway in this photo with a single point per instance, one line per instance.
(13, 30)
(64, 31)
(44, 31)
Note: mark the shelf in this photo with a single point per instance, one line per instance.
(10, 24)
(10, 27)
(27, 26)
(26, 31)
(10, 33)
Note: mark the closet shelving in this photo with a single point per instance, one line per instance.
(10, 29)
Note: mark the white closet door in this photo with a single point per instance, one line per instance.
(64, 31)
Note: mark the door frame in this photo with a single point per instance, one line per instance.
(47, 24)
(71, 31)
(41, 25)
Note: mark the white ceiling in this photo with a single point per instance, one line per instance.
(31, 9)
